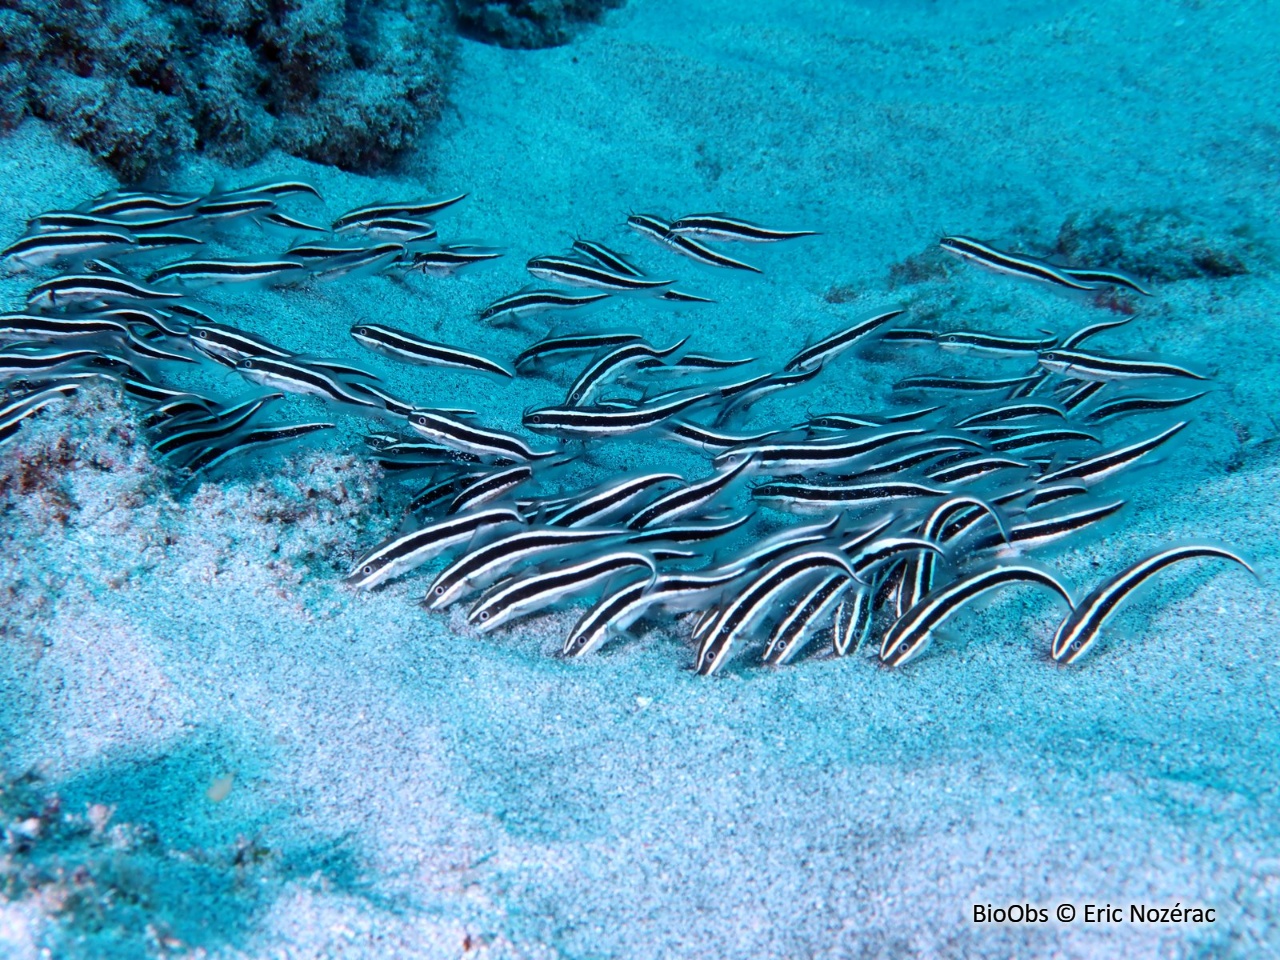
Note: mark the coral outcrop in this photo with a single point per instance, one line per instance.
(529, 23)
(138, 82)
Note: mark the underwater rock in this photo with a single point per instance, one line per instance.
(529, 23)
(137, 83)
(1159, 245)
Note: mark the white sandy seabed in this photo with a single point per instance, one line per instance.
(403, 787)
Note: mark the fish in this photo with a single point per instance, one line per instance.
(294, 377)
(312, 253)
(968, 384)
(848, 421)
(698, 363)
(607, 367)
(720, 226)
(41, 249)
(1080, 630)
(792, 631)
(558, 347)
(1092, 366)
(1040, 436)
(479, 567)
(405, 346)
(966, 248)
(616, 611)
(1033, 381)
(225, 271)
(905, 461)
(42, 327)
(707, 438)
(1105, 464)
(682, 502)
(470, 438)
(743, 395)
(92, 288)
(229, 346)
(972, 468)
(1014, 410)
(920, 570)
(365, 261)
(223, 423)
(864, 557)
(437, 492)
(827, 348)
(75, 220)
(408, 551)
(1074, 340)
(679, 296)
(147, 342)
(609, 259)
(1000, 344)
(1035, 533)
(136, 204)
(1083, 392)
(692, 532)
(522, 596)
(608, 500)
(808, 457)
(527, 302)
(785, 542)
(14, 362)
(851, 625)
(450, 258)
(589, 422)
(278, 219)
(414, 208)
(14, 411)
(401, 229)
(911, 633)
(658, 229)
(250, 441)
(1123, 406)
(146, 242)
(390, 403)
(910, 335)
(1112, 278)
(755, 600)
(231, 207)
(576, 273)
(809, 497)
(488, 488)
(273, 188)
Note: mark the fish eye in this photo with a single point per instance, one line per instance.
(422, 421)
(439, 591)
(202, 334)
(247, 364)
(1075, 645)
(535, 419)
(368, 570)
(902, 647)
(484, 614)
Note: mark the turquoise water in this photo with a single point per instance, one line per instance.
(213, 744)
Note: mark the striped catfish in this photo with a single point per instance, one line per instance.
(1077, 634)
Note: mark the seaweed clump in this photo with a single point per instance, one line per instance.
(137, 82)
(529, 24)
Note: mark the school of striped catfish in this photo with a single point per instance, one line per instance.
(908, 513)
